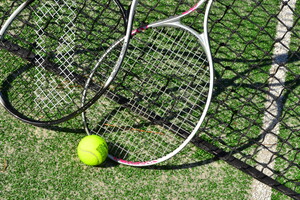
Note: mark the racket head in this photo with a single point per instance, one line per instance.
(57, 44)
(159, 99)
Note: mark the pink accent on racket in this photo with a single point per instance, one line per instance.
(193, 8)
(139, 30)
(190, 10)
(165, 86)
(134, 163)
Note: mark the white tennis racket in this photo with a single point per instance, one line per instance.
(160, 97)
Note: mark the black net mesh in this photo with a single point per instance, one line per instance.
(253, 122)
(255, 111)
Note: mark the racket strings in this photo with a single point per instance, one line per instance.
(164, 83)
(64, 53)
(60, 42)
(179, 63)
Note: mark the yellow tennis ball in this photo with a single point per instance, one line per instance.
(92, 150)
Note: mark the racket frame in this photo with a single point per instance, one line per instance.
(12, 17)
(204, 41)
(116, 68)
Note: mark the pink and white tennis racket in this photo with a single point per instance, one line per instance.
(161, 95)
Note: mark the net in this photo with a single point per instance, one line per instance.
(253, 121)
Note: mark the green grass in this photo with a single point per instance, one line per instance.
(243, 52)
(239, 47)
(42, 164)
(289, 142)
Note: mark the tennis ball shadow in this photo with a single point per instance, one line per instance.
(108, 163)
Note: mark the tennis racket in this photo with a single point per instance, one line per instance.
(50, 47)
(161, 95)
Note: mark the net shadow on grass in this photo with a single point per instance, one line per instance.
(242, 39)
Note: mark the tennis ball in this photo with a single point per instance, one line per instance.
(92, 150)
